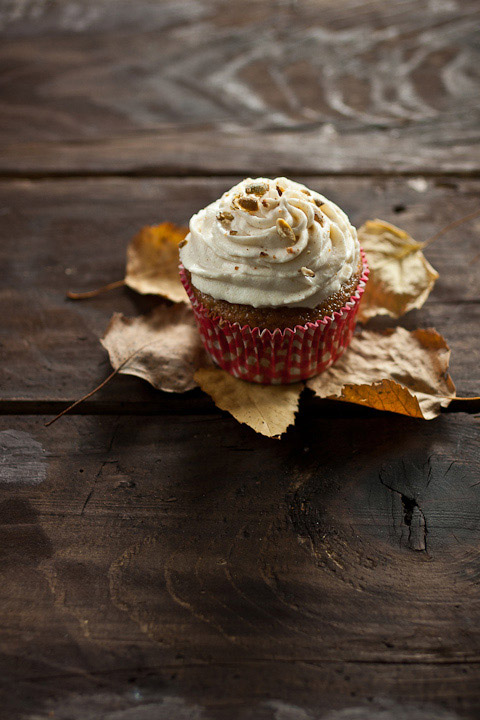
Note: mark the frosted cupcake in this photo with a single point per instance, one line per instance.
(275, 274)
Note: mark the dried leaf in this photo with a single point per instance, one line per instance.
(400, 371)
(268, 409)
(152, 262)
(400, 277)
(163, 347)
(383, 395)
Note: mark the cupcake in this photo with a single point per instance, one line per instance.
(275, 273)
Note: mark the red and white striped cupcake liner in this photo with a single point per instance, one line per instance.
(280, 356)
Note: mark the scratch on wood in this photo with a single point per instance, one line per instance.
(105, 462)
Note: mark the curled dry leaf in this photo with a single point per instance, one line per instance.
(163, 347)
(400, 277)
(268, 409)
(396, 370)
(152, 262)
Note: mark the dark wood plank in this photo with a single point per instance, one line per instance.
(182, 562)
(212, 87)
(59, 235)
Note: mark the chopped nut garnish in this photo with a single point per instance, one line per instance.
(285, 231)
(318, 202)
(249, 204)
(224, 217)
(307, 272)
(280, 190)
(236, 267)
(263, 254)
(258, 190)
(265, 203)
(182, 243)
(291, 251)
(307, 192)
(233, 232)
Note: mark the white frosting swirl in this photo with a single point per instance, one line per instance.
(271, 243)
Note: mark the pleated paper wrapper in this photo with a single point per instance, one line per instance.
(277, 357)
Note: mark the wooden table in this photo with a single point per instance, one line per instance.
(159, 560)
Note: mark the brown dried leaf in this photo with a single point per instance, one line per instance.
(267, 409)
(400, 277)
(152, 262)
(163, 347)
(400, 371)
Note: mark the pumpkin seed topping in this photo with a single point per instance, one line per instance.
(249, 204)
(285, 231)
(258, 190)
(307, 272)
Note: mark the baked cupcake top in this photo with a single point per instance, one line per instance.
(271, 243)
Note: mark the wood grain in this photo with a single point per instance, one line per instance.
(60, 235)
(211, 87)
(157, 563)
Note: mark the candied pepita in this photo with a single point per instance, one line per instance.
(249, 204)
(258, 190)
(285, 230)
(224, 217)
(307, 272)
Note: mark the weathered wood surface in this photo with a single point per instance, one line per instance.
(187, 568)
(59, 235)
(208, 86)
(174, 565)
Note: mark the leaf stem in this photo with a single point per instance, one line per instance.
(95, 293)
(85, 397)
(102, 384)
(450, 226)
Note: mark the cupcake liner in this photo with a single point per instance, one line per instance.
(280, 356)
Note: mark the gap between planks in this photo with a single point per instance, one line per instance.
(201, 406)
(156, 174)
